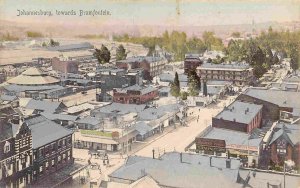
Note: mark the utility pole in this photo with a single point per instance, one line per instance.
(248, 149)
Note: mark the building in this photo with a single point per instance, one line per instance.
(2, 77)
(64, 66)
(239, 116)
(31, 82)
(275, 102)
(42, 105)
(285, 144)
(16, 157)
(88, 122)
(224, 142)
(191, 62)
(72, 47)
(51, 145)
(152, 66)
(135, 94)
(239, 74)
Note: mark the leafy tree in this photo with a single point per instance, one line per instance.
(175, 86)
(211, 42)
(53, 43)
(194, 80)
(236, 34)
(184, 95)
(121, 53)
(193, 88)
(102, 55)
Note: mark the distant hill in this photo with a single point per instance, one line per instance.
(71, 30)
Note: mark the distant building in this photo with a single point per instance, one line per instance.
(152, 66)
(64, 66)
(16, 158)
(72, 47)
(239, 74)
(191, 62)
(135, 94)
(239, 116)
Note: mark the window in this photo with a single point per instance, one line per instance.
(6, 147)
(41, 168)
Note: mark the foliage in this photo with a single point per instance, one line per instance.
(176, 42)
(53, 43)
(102, 55)
(175, 86)
(34, 34)
(194, 83)
(184, 95)
(121, 53)
(236, 34)
(8, 37)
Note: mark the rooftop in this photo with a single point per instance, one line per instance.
(229, 66)
(47, 106)
(233, 137)
(241, 112)
(149, 59)
(278, 97)
(45, 131)
(33, 76)
(142, 89)
(70, 47)
(289, 132)
(170, 172)
(118, 108)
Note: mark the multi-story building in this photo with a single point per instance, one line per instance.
(239, 116)
(191, 62)
(134, 94)
(152, 66)
(64, 66)
(51, 145)
(239, 73)
(15, 153)
(275, 102)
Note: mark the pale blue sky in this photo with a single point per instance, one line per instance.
(146, 12)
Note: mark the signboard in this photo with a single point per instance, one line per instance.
(208, 144)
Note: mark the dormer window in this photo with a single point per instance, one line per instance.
(6, 147)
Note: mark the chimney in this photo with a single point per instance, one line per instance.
(210, 158)
(228, 163)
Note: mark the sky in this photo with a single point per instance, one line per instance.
(155, 12)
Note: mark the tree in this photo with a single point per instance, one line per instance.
(102, 55)
(53, 43)
(184, 95)
(194, 83)
(204, 88)
(121, 53)
(175, 86)
(236, 34)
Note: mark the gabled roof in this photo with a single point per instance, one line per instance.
(89, 120)
(288, 132)
(64, 117)
(47, 106)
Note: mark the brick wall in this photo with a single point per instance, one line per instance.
(270, 111)
(231, 125)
